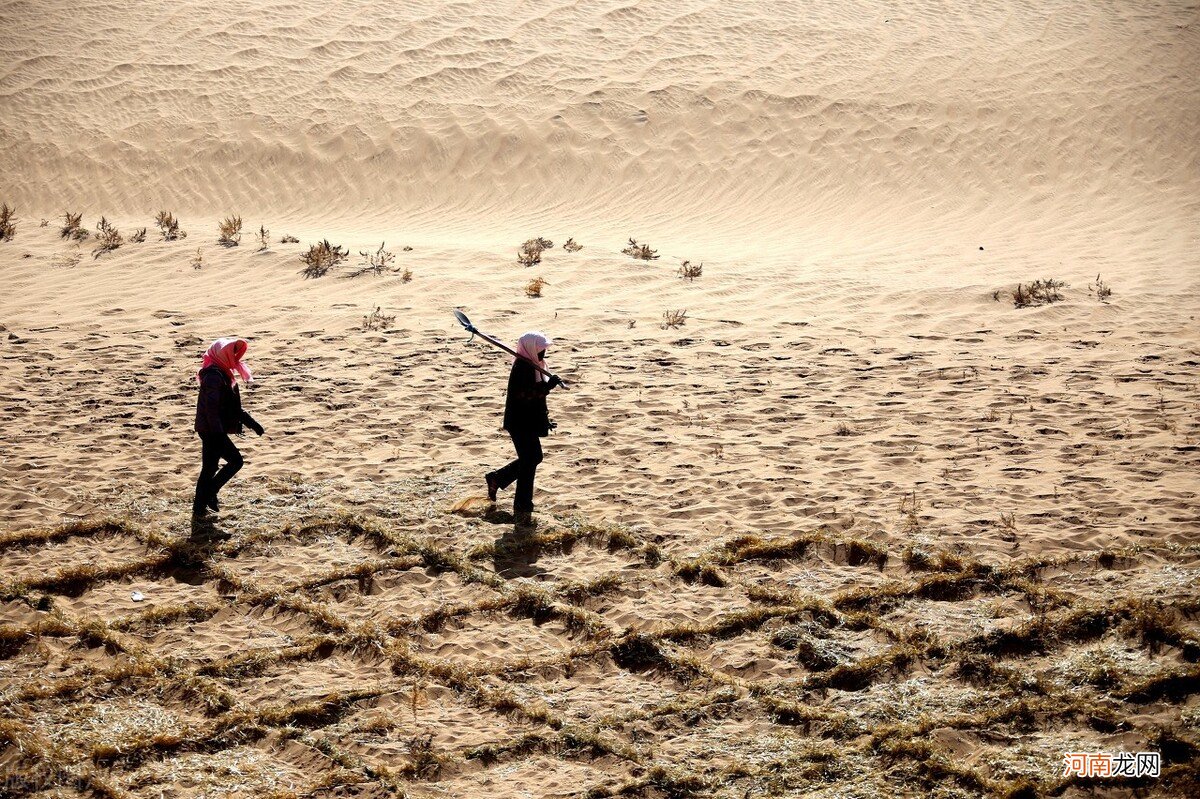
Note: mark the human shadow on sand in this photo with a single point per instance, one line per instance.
(516, 551)
(190, 556)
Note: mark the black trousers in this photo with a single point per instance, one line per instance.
(215, 447)
(523, 469)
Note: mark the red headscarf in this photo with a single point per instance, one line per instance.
(227, 353)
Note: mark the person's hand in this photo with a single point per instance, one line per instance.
(555, 381)
(257, 428)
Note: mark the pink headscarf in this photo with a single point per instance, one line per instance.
(528, 347)
(227, 353)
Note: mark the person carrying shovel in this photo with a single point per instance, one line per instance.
(526, 419)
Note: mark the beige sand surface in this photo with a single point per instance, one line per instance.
(859, 527)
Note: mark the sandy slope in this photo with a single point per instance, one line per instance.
(859, 181)
(1079, 415)
(683, 121)
(857, 184)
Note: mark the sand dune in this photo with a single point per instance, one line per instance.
(681, 120)
(859, 526)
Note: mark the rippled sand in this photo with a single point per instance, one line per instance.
(855, 450)
(769, 121)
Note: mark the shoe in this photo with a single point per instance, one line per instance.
(492, 485)
(199, 511)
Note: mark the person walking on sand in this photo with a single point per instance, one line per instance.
(526, 419)
(218, 414)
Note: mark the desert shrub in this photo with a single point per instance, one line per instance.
(8, 222)
(108, 238)
(690, 271)
(72, 227)
(322, 257)
(406, 275)
(1101, 289)
(1038, 292)
(572, 246)
(289, 239)
(673, 319)
(642, 251)
(168, 225)
(378, 261)
(139, 235)
(534, 287)
(198, 259)
(377, 320)
(264, 238)
(231, 231)
(531, 251)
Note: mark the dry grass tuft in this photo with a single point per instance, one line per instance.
(813, 646)
(288, 239)
(230, 229)
(264, 238)
(1174, 685)
(322, 257)
(859, 552)
(638, 652)
(168, 225)
(674, 319)
(861, 674)
(702, 570)
(640, 251)
(139, 235)
(1100, 289)
(534, 287)
(1155, 625)
(8, 222)
(425, 763)
(531, 251)
(72, 227)
(910, 513)
(377, 320)
(572, 246)
(198, 259)
(108, 238)
(690, 271)
(1038, 292)
(374, 262)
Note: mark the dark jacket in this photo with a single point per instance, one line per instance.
(525, 406)
(219, 406)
